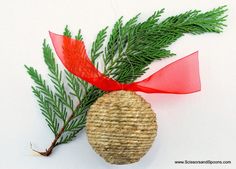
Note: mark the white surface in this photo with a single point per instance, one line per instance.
(199, 126)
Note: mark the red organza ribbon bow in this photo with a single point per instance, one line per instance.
(179, 77)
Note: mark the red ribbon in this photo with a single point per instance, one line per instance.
(179, 77)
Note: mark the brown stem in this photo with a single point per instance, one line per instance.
(48, 151)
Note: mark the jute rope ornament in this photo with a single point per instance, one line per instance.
(121, 127)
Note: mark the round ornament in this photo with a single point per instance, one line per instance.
(121, 127)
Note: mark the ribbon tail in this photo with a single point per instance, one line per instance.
(179, 77)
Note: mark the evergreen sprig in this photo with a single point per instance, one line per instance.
(46, 99)
(147, 41)
(131, 47)
(97, 45)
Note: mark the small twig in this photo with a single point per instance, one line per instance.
(48, 151)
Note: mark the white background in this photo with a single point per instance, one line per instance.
(198, 126)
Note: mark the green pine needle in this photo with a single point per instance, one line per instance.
(97, 45)
(67, 32)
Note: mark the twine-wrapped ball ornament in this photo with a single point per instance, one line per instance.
(121, 127)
